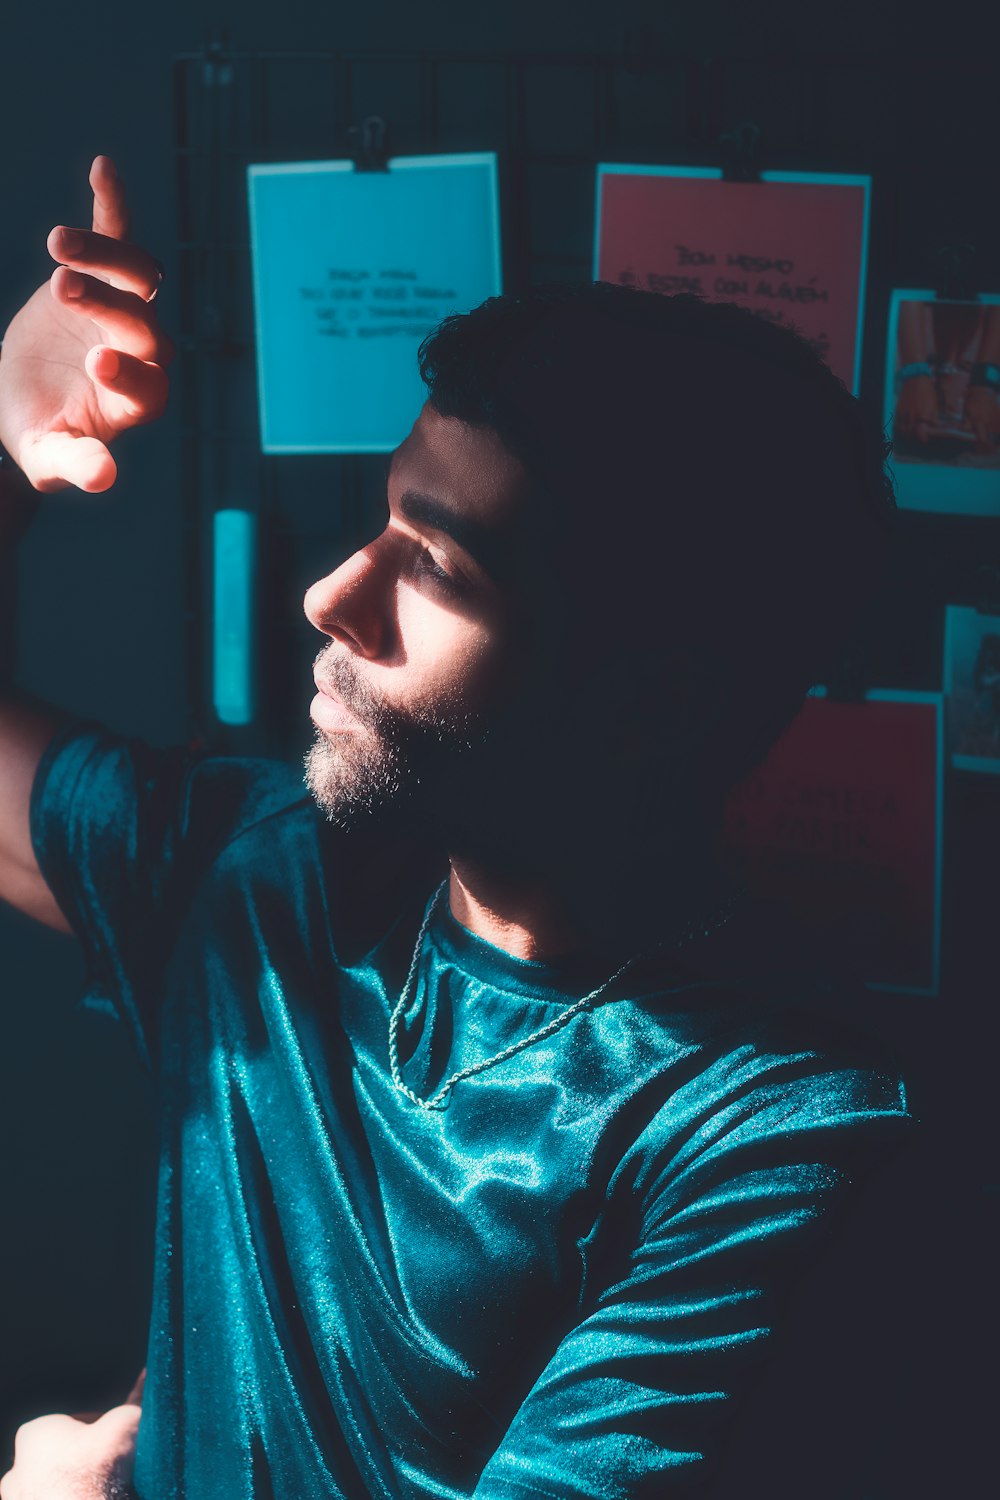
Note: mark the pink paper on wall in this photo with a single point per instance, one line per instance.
(792, 247)
(842, 824)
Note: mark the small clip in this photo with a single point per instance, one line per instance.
(216, 69)
(847, 682)
(740, 147)
(953, 280)
(642, 49)
(988, 600)
(368, 150)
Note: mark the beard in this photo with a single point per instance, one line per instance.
(403, 771)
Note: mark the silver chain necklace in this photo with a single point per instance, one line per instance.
(695, 929)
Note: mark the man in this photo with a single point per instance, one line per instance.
(496, 1120)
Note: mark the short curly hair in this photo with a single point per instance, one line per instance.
(708, 481)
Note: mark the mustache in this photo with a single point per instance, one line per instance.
(343, 679)
(394, 725)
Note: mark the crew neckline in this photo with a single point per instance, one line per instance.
(554, 981)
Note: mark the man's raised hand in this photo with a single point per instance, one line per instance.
(84, 358)
(62, 1458)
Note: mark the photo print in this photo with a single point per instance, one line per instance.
(942, 402)
(972, 688)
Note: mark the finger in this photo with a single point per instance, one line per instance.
(141, 384)
(58, 459)
(117, 1429)
(122, 264)
(41, 1431)
(123, 1420)
(124, 319)
(110, 208)
(135, 1394)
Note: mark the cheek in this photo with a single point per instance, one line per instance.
(448, 655)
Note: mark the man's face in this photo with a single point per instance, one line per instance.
(426, 630)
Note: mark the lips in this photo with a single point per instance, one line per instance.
(330, 712)
(326, 690)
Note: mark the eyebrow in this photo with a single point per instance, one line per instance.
(484, 546)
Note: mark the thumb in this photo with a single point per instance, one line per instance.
(116, 1430)
(56, 460)
(126, 1416)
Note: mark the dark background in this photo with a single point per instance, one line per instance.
(111, 620)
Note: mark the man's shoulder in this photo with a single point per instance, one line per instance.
(800, 1060)
(777, 1019)
(277, 842)
(185, 787)
(116, 809)
(772, 1078)
(239, 793)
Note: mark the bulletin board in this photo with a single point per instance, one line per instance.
(568, 133)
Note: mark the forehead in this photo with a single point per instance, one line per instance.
(466, 468)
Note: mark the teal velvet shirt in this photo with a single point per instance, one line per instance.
(552, 1287)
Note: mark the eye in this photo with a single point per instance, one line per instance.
(427, 564)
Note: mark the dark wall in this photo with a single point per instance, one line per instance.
(100, 615)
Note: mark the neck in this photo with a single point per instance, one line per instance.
(617, 905)
(525, 917)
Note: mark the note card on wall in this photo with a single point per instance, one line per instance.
(351, 269)
(792, 247)
(842, 824)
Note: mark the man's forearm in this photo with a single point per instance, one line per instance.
(18, 503)
(27, 725)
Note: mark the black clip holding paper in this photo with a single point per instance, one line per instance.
(368, 148)
(953, 281)
(740, 153)
(847, 682)
(216, 69)
(987, 600)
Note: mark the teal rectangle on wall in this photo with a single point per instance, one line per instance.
(234, 535)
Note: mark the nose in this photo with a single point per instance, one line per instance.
(353, 603)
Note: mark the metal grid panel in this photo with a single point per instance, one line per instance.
(550, 119)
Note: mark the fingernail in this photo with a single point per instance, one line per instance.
(73, 284)
(107, 364)
(71, 241)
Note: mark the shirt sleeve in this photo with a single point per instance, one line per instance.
(122, 831)
(638, 1397)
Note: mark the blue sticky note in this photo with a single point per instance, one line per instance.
(351, 270)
